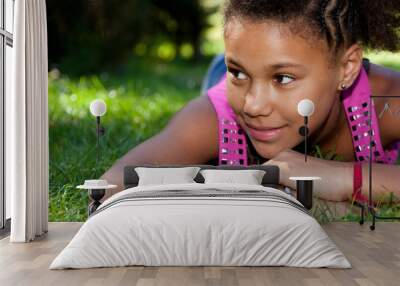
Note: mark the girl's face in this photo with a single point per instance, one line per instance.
(270, 70)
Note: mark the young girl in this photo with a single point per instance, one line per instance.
(278, 52)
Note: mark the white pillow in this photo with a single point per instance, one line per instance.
(249, 177)
(168, 175)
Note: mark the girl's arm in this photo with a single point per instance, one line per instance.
(336, 182)
(191, 137)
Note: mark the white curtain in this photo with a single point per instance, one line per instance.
(27, 148)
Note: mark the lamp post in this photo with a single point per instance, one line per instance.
(97, 188)
(305, 108)
(304, 185)
(98, 108)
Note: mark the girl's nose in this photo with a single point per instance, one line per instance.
(258, 101)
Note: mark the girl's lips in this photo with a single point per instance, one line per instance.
(265, 135)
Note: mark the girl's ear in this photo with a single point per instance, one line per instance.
(351, 63)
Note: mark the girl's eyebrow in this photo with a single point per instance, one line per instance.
(274, 66)
(234, 62)
(286, 65)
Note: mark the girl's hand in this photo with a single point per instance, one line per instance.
(336, 177)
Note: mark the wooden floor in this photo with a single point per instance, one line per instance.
(375, 257)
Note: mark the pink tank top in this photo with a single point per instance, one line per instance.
(233, 144)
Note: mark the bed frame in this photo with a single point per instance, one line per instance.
(270, 179)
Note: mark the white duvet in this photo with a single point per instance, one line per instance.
(190, 230)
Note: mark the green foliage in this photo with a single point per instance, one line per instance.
(87, 36)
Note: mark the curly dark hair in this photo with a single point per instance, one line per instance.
(341, 23)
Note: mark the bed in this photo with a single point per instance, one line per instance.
(201, 224)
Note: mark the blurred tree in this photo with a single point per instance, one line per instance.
(85, 35)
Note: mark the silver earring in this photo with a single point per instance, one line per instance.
(343, 86)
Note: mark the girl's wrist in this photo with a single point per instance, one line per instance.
(338, 177)
(347, 181)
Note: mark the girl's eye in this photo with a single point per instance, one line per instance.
(237, 74)
(284, 79)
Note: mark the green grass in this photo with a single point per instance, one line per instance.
(387, 59)
(141, 98)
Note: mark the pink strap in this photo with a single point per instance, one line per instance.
(357, 183)
(231, 138)
(356, 102)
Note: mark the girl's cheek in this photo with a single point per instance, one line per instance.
(236, 100)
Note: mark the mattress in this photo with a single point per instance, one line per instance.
(201, 225)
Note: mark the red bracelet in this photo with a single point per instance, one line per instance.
(357, 183)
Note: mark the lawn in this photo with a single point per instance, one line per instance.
(141, 98)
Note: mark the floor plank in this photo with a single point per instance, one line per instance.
(375, 257)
